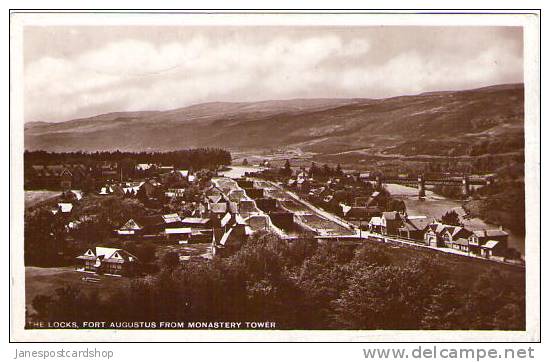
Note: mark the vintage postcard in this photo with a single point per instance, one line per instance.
(275, 176)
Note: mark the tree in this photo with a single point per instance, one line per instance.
(287, 170)
(171, 260)
(245, 162)
(42, 305)
(313, 170)
(387, 297)
(339, 171)
(142, 195)
(451, 218)
(327, 171)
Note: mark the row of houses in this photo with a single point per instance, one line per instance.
(486, 243)
(69, 175)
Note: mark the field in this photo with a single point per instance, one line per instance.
(33, 198)
(46, 280)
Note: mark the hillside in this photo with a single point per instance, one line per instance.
(451, 123)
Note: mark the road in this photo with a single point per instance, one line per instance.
(315, 210)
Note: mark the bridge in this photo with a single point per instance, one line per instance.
(420, 182)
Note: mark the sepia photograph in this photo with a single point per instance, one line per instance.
(275, 173)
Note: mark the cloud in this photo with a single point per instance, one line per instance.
(140, 74)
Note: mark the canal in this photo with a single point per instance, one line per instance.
(434, 205)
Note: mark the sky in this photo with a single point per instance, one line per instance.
(82, 71)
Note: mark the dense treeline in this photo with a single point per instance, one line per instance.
(502, 203)
(197, 158)
(305, 285)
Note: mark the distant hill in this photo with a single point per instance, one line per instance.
(447, 123)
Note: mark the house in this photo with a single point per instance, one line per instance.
(183, 174)
(165, 169)
(150, 186)
(175, 192)
(375, 225)
(63, 176)
(171, 219)
(145, 226)
(461, 244)
(493, 248)
(391, 221)
(111, 261)
(106, 190)
(178, 234)
(433, 235)
(196, 223)
(143, 166)
(107, 171)
(365, 176)
(361, 213)
(65, 207)
(450, 236)
(414, 228)
(131, 187)
(480, 242)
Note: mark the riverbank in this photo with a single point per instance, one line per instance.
(435, 206)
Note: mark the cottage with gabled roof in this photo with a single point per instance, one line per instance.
(143, 226)
(391, 221)
(414, 227)
(498, 247)
(111, 261)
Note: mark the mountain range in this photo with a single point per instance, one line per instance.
(447, 123)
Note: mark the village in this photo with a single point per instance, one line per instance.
(203, 214)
